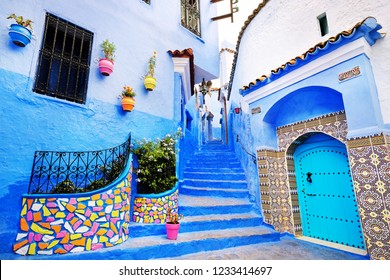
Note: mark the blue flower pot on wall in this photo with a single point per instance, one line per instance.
(20, 35)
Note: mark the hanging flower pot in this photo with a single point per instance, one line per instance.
(128, 103)
(106, 66)
(20, 32)
(127, 96)
(150, 83)
(149, 80)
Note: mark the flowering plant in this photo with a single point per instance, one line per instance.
(21, 21)
(128, 92)
(156, 164)
(152, 65)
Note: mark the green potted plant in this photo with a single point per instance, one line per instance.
(173, 225)
(106, 64)
(21, 31)
(127, 96)
(150, 80)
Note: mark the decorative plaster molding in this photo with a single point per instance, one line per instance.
(344, 53)
(182, 66)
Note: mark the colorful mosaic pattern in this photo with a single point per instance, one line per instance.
(153, 210)
(276, 170)
(334, 125)
(275, 193)
(69, 224)
(370, 164)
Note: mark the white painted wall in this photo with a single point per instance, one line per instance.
(285, 29)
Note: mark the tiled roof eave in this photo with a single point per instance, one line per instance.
(186, 53)
(368, 28)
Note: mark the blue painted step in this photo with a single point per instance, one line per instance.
(199, 223)
(214, 175)
(195, 205)
(199, 191)
(155, 247)
(210, 164)
(218, 183)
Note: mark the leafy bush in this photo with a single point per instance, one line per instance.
(157, 164)
(66, 186)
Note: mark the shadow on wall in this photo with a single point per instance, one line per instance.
(304, 104)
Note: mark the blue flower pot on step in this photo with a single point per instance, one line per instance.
(20, 35)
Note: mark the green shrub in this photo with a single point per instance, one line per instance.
(156, 164)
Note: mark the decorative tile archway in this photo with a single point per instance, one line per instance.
(370, 166)
(276, 169)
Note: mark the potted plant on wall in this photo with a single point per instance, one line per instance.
(172, 226)
(21, 31)
(127, 96)
(150, 80)
(106, 64)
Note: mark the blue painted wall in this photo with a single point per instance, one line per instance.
(42, 122)
(317, 95)
(30, 121)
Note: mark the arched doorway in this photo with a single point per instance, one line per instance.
(325, 190)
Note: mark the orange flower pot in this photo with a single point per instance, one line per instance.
(128, 103)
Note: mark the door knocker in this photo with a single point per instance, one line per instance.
(308, 174)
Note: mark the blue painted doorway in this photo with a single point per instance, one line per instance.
(325, 192)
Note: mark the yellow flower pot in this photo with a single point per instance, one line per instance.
(150, 83)
(128, 103)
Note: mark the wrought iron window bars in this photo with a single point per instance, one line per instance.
(82, 171)
(190, 15)
(64, 59)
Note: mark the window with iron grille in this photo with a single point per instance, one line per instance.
(64, 60)
(190, 15)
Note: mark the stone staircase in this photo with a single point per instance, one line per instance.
(213, 198)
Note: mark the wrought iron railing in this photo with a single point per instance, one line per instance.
(73, 172)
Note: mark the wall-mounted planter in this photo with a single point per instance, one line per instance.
(150, 83)
(106, 66)
(20, 35)
(128, 103)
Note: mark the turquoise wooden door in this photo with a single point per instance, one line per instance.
(325, 192)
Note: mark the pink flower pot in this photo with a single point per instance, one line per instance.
(106, 66)
(172, 231)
